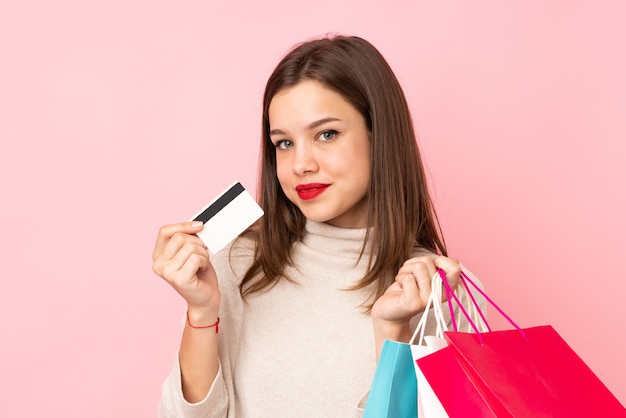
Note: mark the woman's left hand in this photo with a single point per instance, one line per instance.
(408, 296)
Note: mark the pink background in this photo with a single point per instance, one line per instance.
(119, 116)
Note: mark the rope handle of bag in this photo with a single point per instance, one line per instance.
(450, 294)
(438, 314)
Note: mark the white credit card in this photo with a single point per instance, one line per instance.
(227, 216)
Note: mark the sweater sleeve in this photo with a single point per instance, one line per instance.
(174, 405)
(360, 407)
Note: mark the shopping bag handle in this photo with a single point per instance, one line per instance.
(440, 321)
(436, 290)
(471, 297)
(451, 295)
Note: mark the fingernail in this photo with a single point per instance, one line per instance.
(196, 224)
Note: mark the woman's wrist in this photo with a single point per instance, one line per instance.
(201, 317)
(392, 330)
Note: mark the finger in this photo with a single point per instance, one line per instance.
(186, 281)
(166, 232)
(409, 287)
(422, 267)
(425, 269)
(410, 299)
(451, 267)
(420, 274)
(174, 266)
(177, 242)
(411, 262)
(423, 273)
(194, 264)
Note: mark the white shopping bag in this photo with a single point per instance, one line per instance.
(428, 404)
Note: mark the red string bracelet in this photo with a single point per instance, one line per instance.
(216, 324)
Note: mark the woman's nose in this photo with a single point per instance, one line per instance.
(304, 159)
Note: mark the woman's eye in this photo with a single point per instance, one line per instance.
(283, 144)
(328, 135)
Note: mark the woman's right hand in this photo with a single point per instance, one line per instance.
(182, 259)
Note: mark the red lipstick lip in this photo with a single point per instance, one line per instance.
(310, 190)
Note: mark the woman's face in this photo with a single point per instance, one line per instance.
(322, 153)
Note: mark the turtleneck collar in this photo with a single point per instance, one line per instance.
(334, 240)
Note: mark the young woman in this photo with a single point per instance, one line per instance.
(341, 260)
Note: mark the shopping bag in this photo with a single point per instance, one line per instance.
(530, 372)
(428, 403)
(538, 375)
(393, 393)
(455, 392)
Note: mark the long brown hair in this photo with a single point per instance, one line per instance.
(400, 211)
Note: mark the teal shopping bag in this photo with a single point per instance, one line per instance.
(393, 393)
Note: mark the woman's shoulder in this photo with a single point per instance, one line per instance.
(469, 274)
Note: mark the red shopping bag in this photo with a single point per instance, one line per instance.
(516, 373)
(538, 375)
(455, 391)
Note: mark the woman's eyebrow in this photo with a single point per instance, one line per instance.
(322, 121)
(276, 132)
(310, 126)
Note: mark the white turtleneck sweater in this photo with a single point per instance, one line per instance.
(302, 348)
